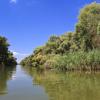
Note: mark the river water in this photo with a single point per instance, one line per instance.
(25, 83)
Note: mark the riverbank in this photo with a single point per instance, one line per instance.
(89, 61)
(78, 50)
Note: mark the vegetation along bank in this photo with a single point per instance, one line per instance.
(6, 57)
(78, 50)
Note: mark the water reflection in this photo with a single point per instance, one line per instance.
(55, 85)
(6, 74)
(67, 86)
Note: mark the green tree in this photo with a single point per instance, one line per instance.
(88, 19)
(6, 57)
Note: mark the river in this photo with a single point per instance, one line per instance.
(26, 83)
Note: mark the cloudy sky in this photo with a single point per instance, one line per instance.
(29, 23)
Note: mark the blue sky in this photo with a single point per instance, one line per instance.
(29, 23)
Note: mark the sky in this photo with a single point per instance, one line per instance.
(28, 24)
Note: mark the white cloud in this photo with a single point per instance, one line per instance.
(19, 54)
(13, 1)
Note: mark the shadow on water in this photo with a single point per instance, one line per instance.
(6, 74)
(67, 86)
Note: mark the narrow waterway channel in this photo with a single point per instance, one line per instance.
(25, 83)
(16, 84)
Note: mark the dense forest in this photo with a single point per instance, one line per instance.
(6, 57)
(78, 50)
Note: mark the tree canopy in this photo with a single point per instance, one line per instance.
(6, 57)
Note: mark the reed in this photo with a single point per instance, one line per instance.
(75, 61)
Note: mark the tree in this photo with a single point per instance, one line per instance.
(6, 57)
(88, 25)
(88, 19)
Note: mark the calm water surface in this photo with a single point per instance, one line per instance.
(25, 83)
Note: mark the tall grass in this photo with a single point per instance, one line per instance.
(75, 61)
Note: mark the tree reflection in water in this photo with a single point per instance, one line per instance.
(67, 86)
(6, 74)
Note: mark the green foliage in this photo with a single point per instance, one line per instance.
(72, 50)
(98, 29)
(76, 60)
(89, 19)
(88, 24)
(6, 57)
